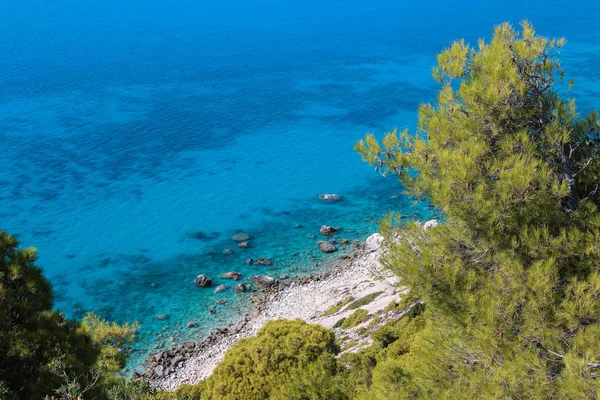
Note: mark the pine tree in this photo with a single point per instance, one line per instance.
(511, 278)
(35, 341)
(41, 351)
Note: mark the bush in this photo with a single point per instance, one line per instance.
(286, 358)
(357, 318)
(337, 307)
(363, 301)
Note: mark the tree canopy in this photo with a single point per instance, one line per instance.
(511, 277)
(285, 360)
(41, 351)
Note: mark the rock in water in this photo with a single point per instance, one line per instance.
(227, 251)
(327, 230)
(264, 261)
(231, 275)
(203, 281)
(220, 288)
(327, 247)
(330, 197)
(243, 245)
(240, 287)
(240, 237)
(263, 280)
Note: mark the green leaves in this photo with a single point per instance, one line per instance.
(287, 359)
(511, 278)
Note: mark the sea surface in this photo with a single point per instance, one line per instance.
(137, 137)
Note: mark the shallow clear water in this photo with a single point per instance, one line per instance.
(129, 127)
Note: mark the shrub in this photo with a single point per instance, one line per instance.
(363, 301)
(356, 318)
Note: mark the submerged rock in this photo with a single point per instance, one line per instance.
(249, 261)
(203, 236)
(327, 247)
(263, 280)
(231, 275)
(243, 245)
(327, 230)
(227, 251)
(330, 197)
(240, 237)
(264, 261)
(220, 288)
(162, 317)
(203, 281)
(240, 287)
(191, 324)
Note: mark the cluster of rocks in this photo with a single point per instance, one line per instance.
(264, 281)
(266, 303)
(166, 362)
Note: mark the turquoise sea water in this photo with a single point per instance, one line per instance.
(138, 136)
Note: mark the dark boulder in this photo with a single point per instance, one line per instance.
(327, 247)
(203, 281)
(263, 280)
(240, 287)
(327, 230)
(231, 275)
(220, 288)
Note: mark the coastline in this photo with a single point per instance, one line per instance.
(358, 275)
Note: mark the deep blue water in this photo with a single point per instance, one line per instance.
(128, 127)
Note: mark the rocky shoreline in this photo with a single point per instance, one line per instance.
(357, 276)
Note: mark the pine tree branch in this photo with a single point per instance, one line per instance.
(589, 161)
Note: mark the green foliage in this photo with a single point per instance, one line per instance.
(349, 345)
(111, 338)
(381, 371)
(339, 323)
(42, 353)
(363, 331)
(287, 359)
(129, 389)
(363, 301)
(191, 391)
(40, 350)
(356, 318)
(335, 308)
(511, 278)
(374, 321)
